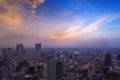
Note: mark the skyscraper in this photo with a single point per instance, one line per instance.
(118, 59)
(9, 52)
(51, 69)
(4, 53)
(6, 56)
(20, 51)
(108, 60)
(59, 70)
(38, 51)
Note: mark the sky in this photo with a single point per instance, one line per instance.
(60, 23)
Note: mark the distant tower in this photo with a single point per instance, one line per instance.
(118, 59)
(20, 51)
(38, 51)
(17, 49)
(108, 60)
(9, 51)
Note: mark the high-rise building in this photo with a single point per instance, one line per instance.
(9, 52)
(51, 69)
(59, 70)
(108, 60)
(118, 59)
(4, 53)
(20, 51)
(17, 49)
(6, 56)
(38, 51)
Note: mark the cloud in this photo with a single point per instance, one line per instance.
(13, 13)
(14, 20)
(34, 3)
(69, 33)
(81, 31)
(9, 16)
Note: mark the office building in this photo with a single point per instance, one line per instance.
(6, 56)
(59, 70)
(51, 69)
(20, 51)
(118, 59)
(38, 51)
(108, 60)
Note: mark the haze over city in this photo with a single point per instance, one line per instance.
(60, 23)
(59, 40)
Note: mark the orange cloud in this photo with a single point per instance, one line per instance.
(11, 10)
(10, 18)
(83, 32)
(34, 3)
(69, 33)
(58, 36)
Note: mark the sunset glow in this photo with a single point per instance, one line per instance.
(60, 22)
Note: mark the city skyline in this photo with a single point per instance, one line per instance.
(60, 23)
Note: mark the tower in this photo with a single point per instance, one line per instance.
(59, 70)
(108, 60)
(7, 56)
(38, 51)
(51, 69)
(118, 59)
(20, 51)
(9, 52)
